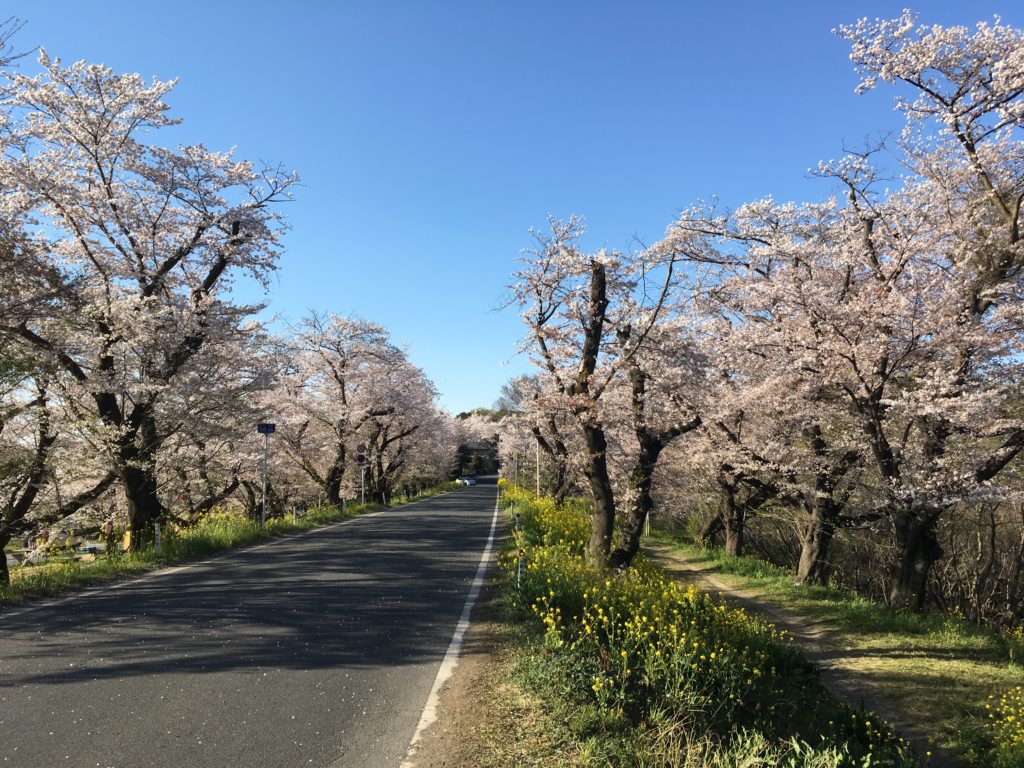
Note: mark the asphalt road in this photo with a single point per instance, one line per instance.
(317, 650)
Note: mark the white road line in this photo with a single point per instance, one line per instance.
(451, 656)
(110, 587)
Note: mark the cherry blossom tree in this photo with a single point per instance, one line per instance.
(963, 141)
(886, 328)
(844, 316)
(137, 243)
(347, 383)
(329, 394)
(408, 411)
(590, 320)
(661, 387)
(533, 408)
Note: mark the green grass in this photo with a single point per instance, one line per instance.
(938, 669)
(215, 533)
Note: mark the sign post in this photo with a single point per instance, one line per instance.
(266, 429)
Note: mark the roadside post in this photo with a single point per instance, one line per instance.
(522, 552)
(266, 429)
(537, 463)
(361, 461)
(156, 538)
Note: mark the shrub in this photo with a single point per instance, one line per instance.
(1005, 729)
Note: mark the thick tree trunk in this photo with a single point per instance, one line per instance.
(21, 503)
(602, 520)
(821, 511)
(5, 574)
(816, 532)
(144, 508)
(558, 457)
(633, 525)
(252, 500)
(734, 514)
(735, 525)
(712, 528)
(917, 549)
(138, 478)
(332, 486)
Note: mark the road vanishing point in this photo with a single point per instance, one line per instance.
(319, 649)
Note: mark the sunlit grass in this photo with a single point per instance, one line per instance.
(938, 669)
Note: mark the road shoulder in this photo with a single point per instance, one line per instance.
(457, 737)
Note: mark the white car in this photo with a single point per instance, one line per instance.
(466, 481)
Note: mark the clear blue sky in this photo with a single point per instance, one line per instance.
(430, 136)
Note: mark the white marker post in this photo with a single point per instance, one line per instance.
(538, 465)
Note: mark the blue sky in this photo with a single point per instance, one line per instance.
(430, 136)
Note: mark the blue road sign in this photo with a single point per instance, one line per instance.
(266, 428)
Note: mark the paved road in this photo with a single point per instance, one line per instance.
(318, 650)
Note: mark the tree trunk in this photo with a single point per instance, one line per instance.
(713, 527)
(251, 498)
(558, 456)
(633, 525)
(602, 520)
(5, 574)
(138, 478)
(734, 514)
(332, 486)
(144, 508)
(735, 523)
(816, 532)
(917, 549)
(821, 511)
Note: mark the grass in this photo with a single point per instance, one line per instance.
(938, 669)
(215, 533)
(639, 669)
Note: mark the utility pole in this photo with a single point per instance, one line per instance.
(265, 429)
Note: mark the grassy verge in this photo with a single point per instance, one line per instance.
(641, 670)
(215, 533)
(946, 673)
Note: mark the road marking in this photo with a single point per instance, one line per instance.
(196, 563)
(451, 656)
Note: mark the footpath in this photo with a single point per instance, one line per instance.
(842, 668)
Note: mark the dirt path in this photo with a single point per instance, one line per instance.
(833, 660)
